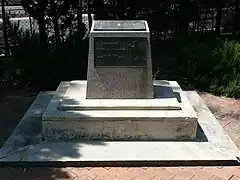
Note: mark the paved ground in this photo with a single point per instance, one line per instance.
(189, 173)
(14, 104)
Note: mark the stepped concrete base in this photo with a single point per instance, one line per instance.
(75, 99)
(69, 116)
(25, 146)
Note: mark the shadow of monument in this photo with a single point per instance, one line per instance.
(166, 91)
(27, 136)
(30, 173)
(11, 115)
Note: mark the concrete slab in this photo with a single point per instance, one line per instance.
(121, 124)
(29, 129)
(215, 149)
(75, 99)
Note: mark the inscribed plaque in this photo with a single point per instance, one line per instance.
(120, 52)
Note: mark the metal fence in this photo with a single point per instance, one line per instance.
(15, 17)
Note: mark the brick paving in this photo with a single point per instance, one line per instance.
(118, 173)
(226, 110)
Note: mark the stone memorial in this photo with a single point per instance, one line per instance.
(119, 100)
(119, 64)
(87, 123)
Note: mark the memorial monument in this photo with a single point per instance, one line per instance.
(114, 115)
(119, 100)
(119, 64)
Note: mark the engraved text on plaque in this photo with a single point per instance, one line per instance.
(120, 52)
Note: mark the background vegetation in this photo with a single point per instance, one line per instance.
(195, 42)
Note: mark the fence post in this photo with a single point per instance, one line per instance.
(80, 19)
(5, 34)
(30, 23)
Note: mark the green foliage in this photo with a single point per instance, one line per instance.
(213, 66)
(228, 68)
(233, 88)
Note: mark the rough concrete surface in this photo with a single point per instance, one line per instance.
(127, 124)
(120, 82)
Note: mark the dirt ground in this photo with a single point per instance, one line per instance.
(227, 111)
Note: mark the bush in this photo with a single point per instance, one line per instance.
(228, 68)
(212, 66)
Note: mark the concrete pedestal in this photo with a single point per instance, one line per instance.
(169, 116)
(119, 61)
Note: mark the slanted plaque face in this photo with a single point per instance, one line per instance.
(120, 51)
(119, 26)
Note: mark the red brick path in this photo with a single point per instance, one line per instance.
(114, 173)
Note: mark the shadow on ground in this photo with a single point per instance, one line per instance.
(28, 132)
(37, 173)
(13, 105)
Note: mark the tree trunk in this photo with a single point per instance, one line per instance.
(212, 19)
(41, 22)
(114, 6)
(120, 10)
(55, 21)
(80, 19)
(42, 29)
(89, 16)
(5, 33)
(218, 20)
(183, 23)
(99, 10)
(236, 23)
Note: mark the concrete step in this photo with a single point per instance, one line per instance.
(115, 124)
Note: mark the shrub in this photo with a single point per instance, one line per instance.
(228, 68)
(212, 66)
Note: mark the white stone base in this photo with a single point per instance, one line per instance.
(75, 99)
(66, 118)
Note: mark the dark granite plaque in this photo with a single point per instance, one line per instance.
(120, 52)
(119, 26)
